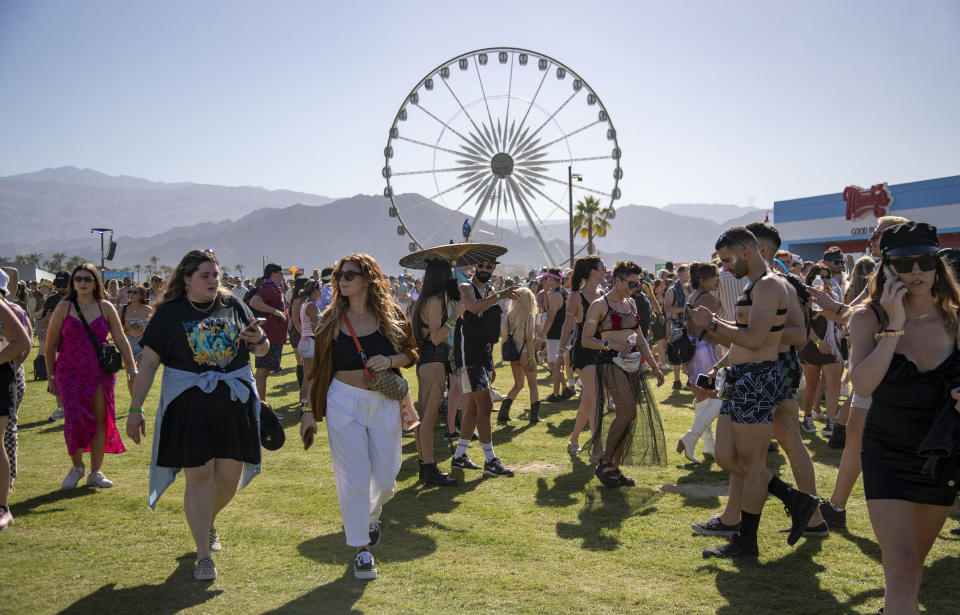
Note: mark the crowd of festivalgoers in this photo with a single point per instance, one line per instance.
(768, 343)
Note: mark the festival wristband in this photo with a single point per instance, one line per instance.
(261, 340)
(718, 365)
(888, 333)
(135, 411)
(451, 323)
(817, 340)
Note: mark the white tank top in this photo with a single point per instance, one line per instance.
(306, 327)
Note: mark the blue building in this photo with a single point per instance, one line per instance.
(810, 225)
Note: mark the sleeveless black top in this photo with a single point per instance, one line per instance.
(556, 327)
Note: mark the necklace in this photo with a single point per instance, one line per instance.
(200, 309)
(361, 315)
(930, 311)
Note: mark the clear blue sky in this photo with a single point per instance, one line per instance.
(723, 102)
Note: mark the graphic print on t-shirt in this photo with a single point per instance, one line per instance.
(213, 340)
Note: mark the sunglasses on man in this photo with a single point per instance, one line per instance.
(904, 264)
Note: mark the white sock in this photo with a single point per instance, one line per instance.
(488, 450)
(461, 447)
(835, 507)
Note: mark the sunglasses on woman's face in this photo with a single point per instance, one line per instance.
(347, 275)
(904, 264)
(83, 279)
(631, 285)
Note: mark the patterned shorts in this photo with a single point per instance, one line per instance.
(757, 390)
(271, 360)
(474, 378)
(792, 372)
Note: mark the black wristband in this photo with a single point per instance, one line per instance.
(261, 340)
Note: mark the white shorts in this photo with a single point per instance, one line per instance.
(306, 347)
(553, 350)
(859, 401)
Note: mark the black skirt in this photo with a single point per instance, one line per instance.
(198, 427)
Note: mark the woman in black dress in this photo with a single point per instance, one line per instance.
(906, 354)
(207, 422)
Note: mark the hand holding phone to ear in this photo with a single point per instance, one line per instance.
(894, 294)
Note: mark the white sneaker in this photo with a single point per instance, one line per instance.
(56, 416)
(97, 479)
(73, 477)
(496, 395)
(819, 416)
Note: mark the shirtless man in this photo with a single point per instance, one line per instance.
(753, 368)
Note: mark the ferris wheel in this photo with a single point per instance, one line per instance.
(495, 137)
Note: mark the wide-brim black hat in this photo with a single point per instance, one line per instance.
(909, 238)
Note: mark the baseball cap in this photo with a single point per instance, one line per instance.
(61, 280)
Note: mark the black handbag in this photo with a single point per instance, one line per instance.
(39, 368)
(272, 436)
(107, 354)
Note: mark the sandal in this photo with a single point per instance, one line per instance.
(624, 480)
(607, 475)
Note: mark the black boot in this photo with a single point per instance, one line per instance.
(300, 375)
(430, 474)
(503, 416)
(535, 413)
(420, 464)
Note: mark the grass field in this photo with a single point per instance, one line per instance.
(550, 540)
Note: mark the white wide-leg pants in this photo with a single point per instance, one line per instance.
(363, 428)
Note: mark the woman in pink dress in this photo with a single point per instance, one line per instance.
(85, 390)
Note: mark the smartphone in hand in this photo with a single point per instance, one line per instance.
(704, 382)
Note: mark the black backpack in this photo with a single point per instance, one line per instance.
(39, 368)
(247, 296)
(681, 346)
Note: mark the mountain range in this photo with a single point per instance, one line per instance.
(52, 211)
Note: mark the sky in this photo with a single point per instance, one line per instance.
(743, 103)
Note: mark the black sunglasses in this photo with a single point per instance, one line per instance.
(348, 275)
(904, 264)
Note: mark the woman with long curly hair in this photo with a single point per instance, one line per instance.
(906, 355)
(77, 378)
(208, 419)
(432, 322)
(521, 326)
(363, 426)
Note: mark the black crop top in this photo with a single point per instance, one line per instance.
(345, 353)
(746, 300)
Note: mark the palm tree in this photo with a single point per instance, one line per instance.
(73, 261)
(55, 262)
(590, 220)
(137, 269)
(239, 269)
(153, 263)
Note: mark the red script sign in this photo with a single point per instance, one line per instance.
(861, 202)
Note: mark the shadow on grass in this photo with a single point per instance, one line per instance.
(741, 587)
(337, 596)
(27, 507)
(179, 592)
(565, 488)
(42, 423)
(603, 514)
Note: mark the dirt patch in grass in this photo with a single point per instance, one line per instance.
(541, 467)
(695, 490)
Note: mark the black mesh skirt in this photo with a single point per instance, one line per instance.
(198, 427)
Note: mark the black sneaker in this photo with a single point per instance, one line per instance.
(836, 519)
(838, 439)
(495, 468)
(432, 475)
(828, 428)
(567, 393)
(813, 531)
(364, 566)
(738, 547)
(463, 462)
(677, 385)
(452, 437)
(955, 531)
(374, 535)
(716, 527)
(800, 507)
(554, 398)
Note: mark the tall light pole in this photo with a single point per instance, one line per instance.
(570, 177)
(102, 231)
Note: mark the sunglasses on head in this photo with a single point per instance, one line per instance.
(725, 238)
(347, 275)
(83, 278)
(904, 264)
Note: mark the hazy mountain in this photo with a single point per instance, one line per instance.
(46, 213)
(710, 211)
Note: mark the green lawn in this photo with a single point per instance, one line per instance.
(549, 540)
